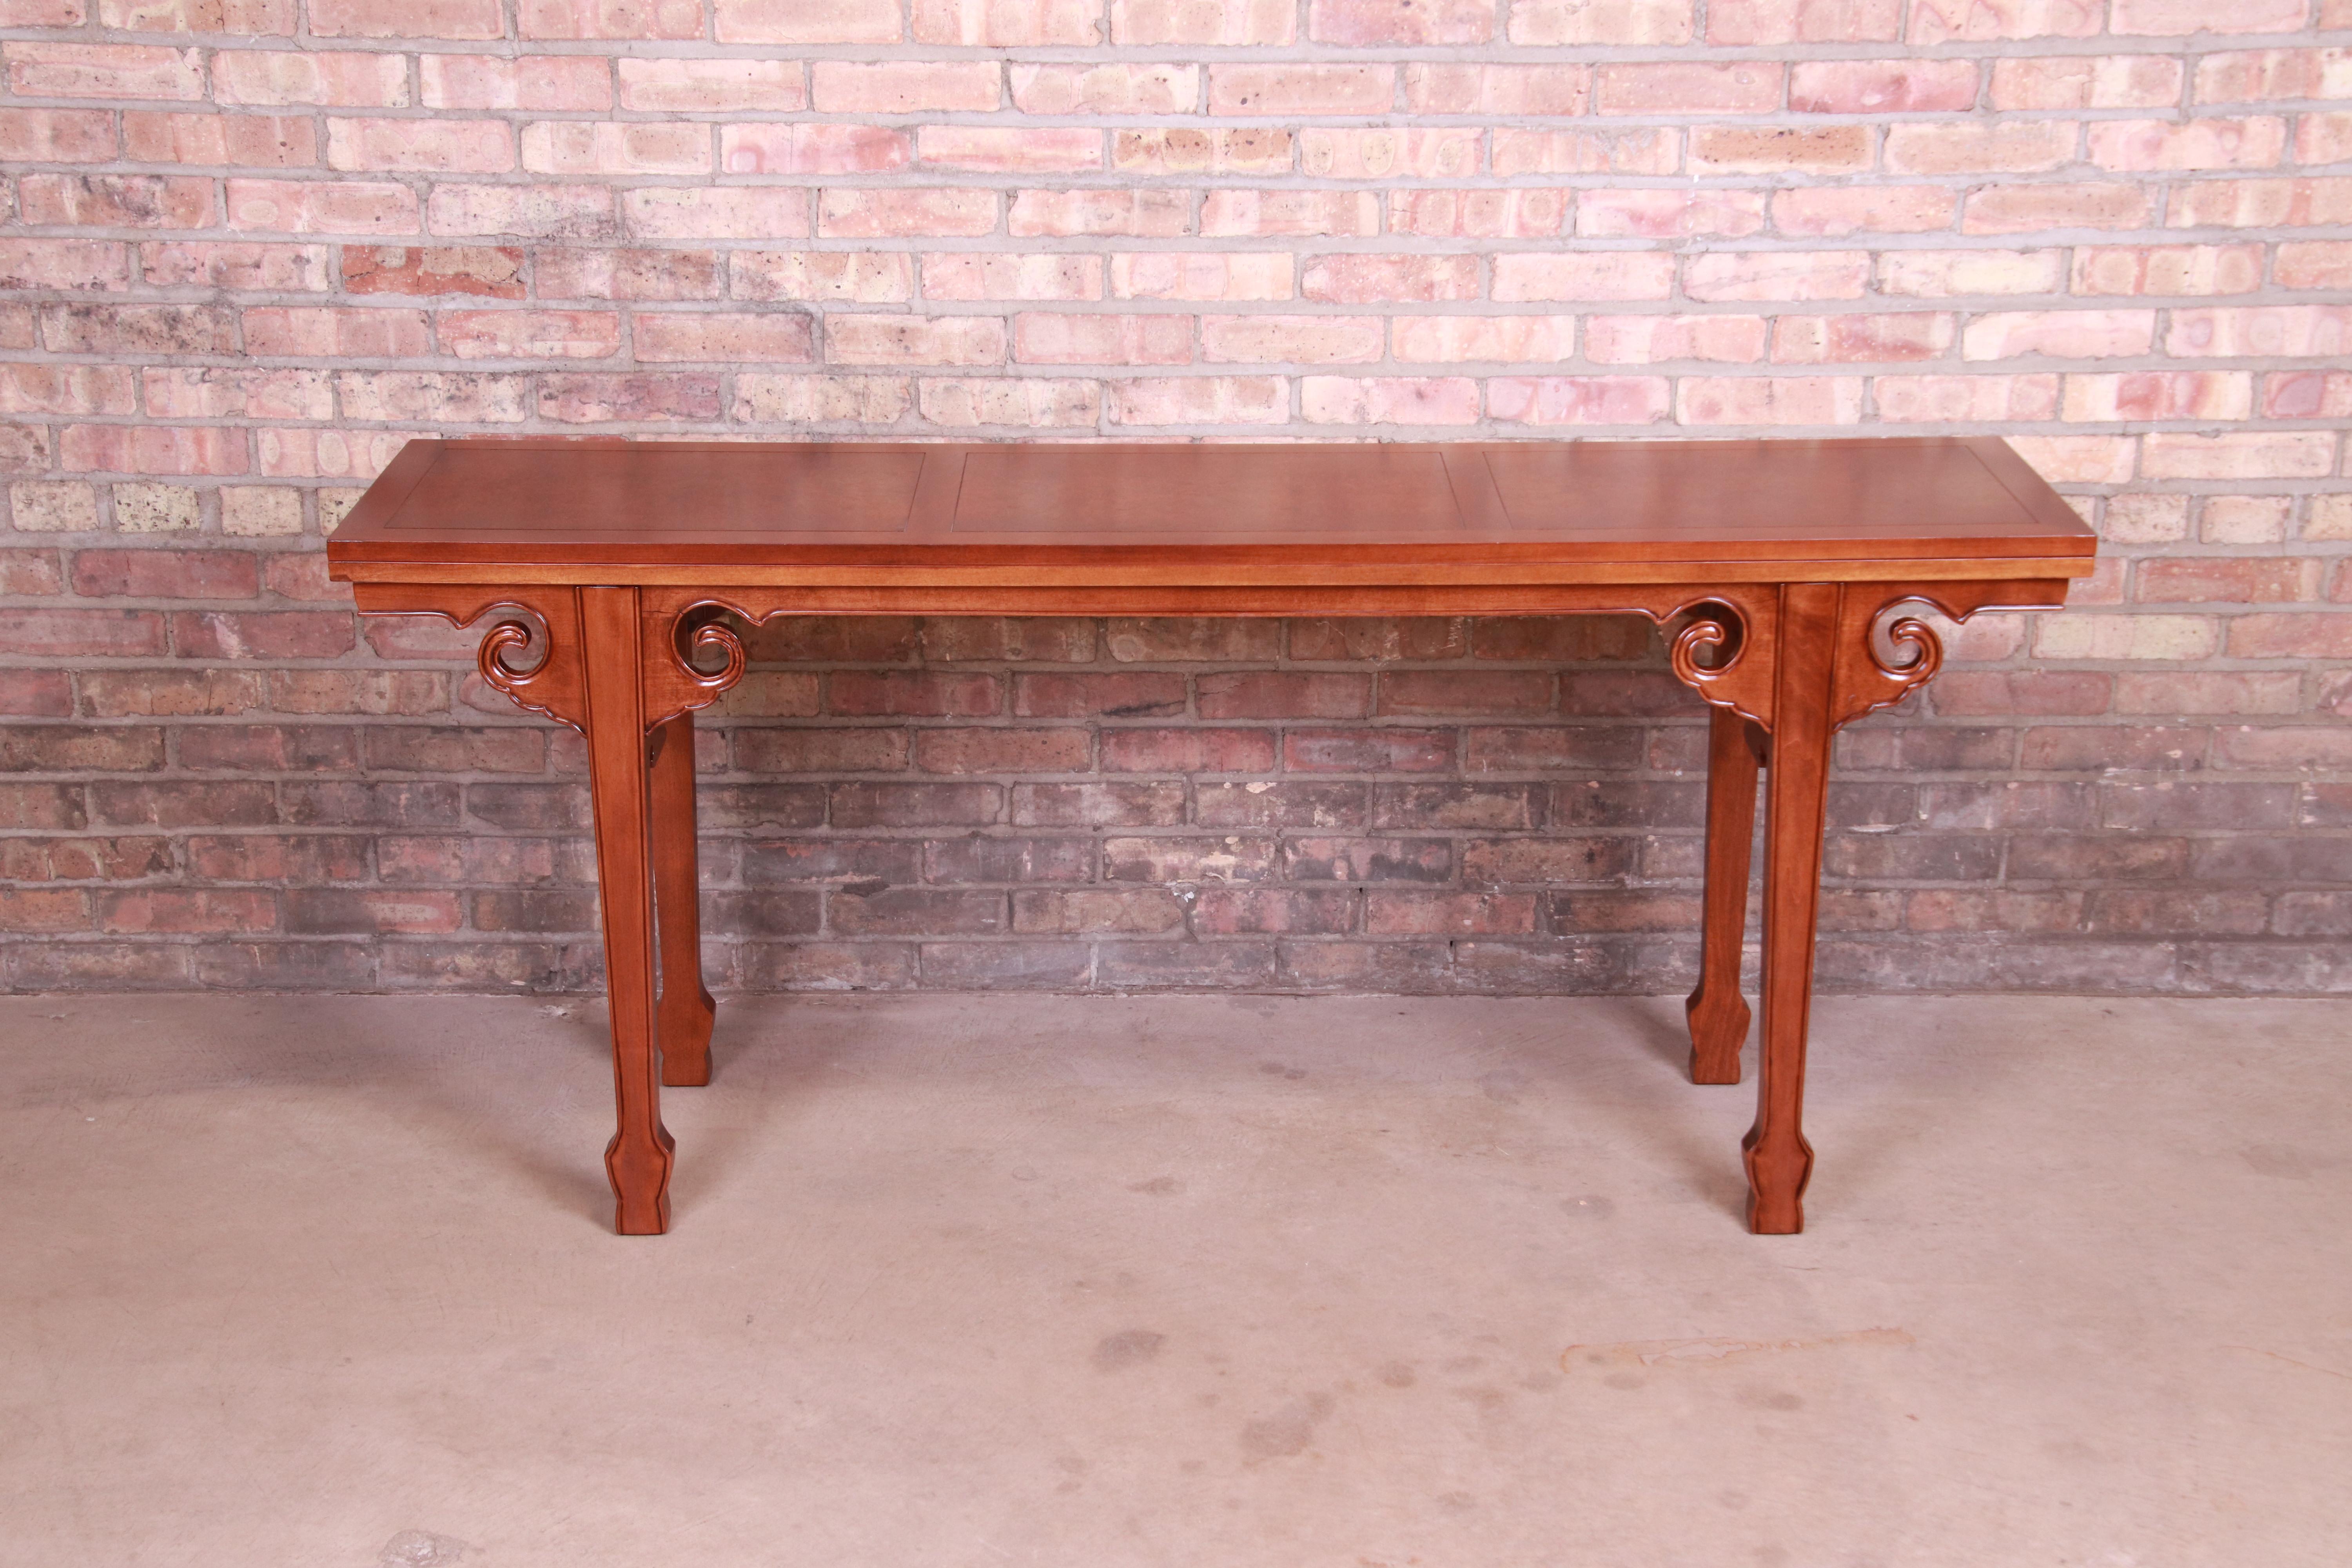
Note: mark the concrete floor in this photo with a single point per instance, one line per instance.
(1227, 1282)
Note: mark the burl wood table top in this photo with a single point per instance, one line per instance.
(706, 512)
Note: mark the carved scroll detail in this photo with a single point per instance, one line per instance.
(550, 619)
(676, 638)
(1740, 634)
(1867, 677)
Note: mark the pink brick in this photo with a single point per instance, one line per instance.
(1328, 154)
(870, 278)
(1232, 23)
(1113, 88)
(1617, 151)
(2259, 203)
(2255, 143)
(1601, 22)
(1357, 279)
(536, 212)
(806, 21)
(904, 87)
(1465, 88)
(254, 140)
(700, 336)
(327, 454)
(914, 340)
(1000, 149)
(1669, 214)
(47, 14)
(152, 449)
(1201, 400)
(1028, 402)
(1200, 274)
(1388, 400)
(2009, 146)
(407, 18)
(2294, 331)
(1301, 339)
(995, 274)
(323, 77)
(1964, 399)
(2168, 270)
(2078, 459)
(1778, 275)
(610, 18)
(534, 334)
(214, 392)
(1042, 337)
(2177, 18)
(104, 70)
(2304, 395)
(2255, 76)
(115, 201)
(2159, 394)
(1253, 213)
(2059, 334)
(703, 87)
(1982, 21)
(1008, 24)
(1859, 338)
(1769, 400)
(1583, 275)
(35, 387)
(590, 399)
(310, 332)
(1881, 87)
(1804, 21)
(60, 135)
(802, 400)
(1745, 87)
(616, 147)
(2087, 81)
(321, 206)
(1821, 211)
(1301, 89)
(2023, 208)
(1521, 214)
(770, 148)
(1501, 340)
(422, 146)
(2324, 138)
(1941, 273)
(888, 214)
(1579, 399)
(2253, 455)
(1143, 213)
(1646, 340)
(535, 81)
(230, 265)
(2311, 264)
(1780, 149)
(1375, 24)
(1189, 149)
(471, 397)
(669, 212)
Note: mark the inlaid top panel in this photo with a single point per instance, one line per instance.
(633, 507)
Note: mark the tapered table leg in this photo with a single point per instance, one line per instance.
(687, 1008)
(1779, 1160)
(1718, 1013)
(639, 1159)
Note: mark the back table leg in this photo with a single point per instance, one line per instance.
(1718, 1013)
(686, 1009)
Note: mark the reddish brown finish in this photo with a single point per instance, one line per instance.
(614, 571)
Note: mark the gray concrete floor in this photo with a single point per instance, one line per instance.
(1230, 1282)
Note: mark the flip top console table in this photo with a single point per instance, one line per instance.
(614, 574)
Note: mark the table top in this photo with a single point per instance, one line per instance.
(553, 510)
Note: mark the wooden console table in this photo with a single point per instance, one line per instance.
(613, 571)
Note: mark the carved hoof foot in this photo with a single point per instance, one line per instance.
(1717, 1030)
(1775, 1186)
(641, 1183)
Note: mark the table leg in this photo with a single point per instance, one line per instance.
(1718, 1013)
(639, 1157)
(687, 1008)
(1779, 1159)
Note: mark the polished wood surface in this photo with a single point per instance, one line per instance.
(615, 577)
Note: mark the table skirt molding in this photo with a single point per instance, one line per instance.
(1782, 665)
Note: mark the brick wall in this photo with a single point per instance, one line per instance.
(252, 245)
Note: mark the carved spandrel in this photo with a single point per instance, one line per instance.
(531, 653)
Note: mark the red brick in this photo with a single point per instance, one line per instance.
(1368, 751)
(1187, 751)
(213, 909)
(1273, 694)
(166, 573)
